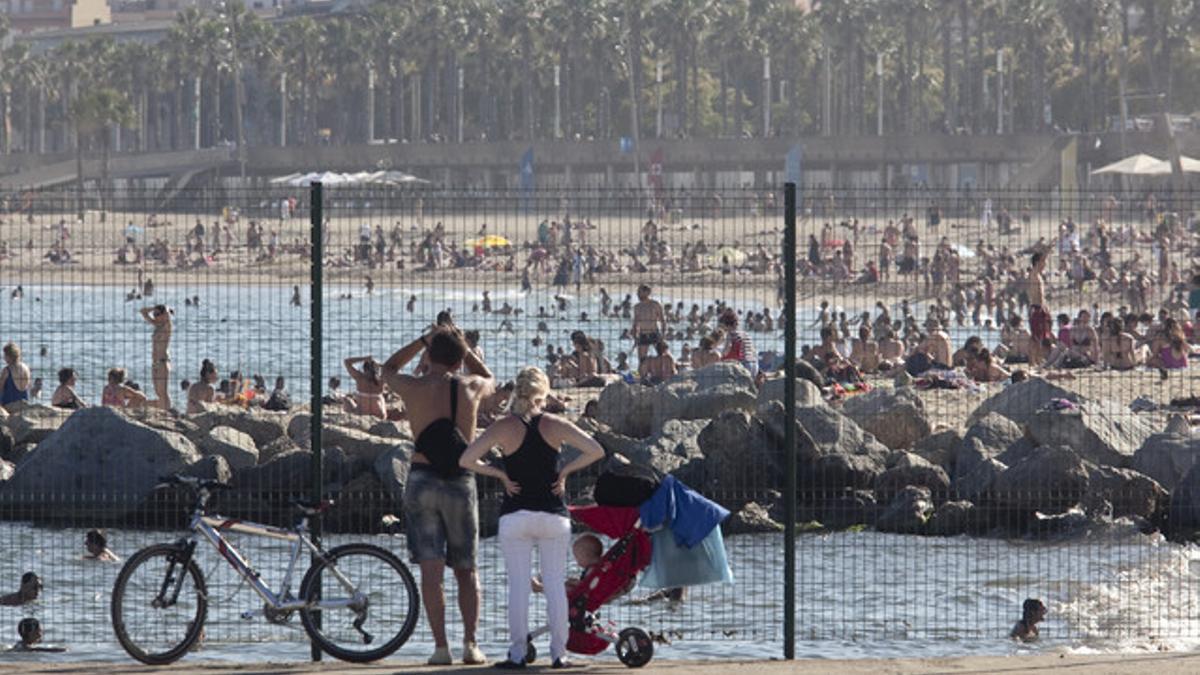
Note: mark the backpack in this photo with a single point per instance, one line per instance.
(626, 484)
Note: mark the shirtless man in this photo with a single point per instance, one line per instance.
(159, 316)
(891, 350)
(440, 503)
(706, 354)
(864, 352)
(660, 367)
(649, 322)
(1040, 326)
(937, 343)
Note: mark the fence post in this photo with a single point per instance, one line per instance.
(789, 426)
(315, 271)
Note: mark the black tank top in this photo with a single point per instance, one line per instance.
(442, 443)
(534, 466)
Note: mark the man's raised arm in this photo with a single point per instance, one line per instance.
(405, 354)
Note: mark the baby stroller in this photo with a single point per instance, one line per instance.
(612, 577)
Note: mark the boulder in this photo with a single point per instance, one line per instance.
(263, 426)
(1018, 402)
(236, 447)
(1050, 480)
(212, 467)
(910, 469)
(847, 509)
(1101, 432)
(392, 467)
(357, 445)
(98, 463)
(952, 519)
(675, 444)
(290, 475)
(391, 429)
(20, 452)
(907, 513)
(300, 424)
(638, 411)
(896, 417)
(7, 444)
(807, 393)
(986, 438)
(977, 483)
(740, 456)
(752, 518)
(833, 452)
(1167, 457)
(940, 448)
(627, 409)
(1183, 515)
(165, 420)
(35, 422)
(6, 470)
(275, 448)
(1130, 493)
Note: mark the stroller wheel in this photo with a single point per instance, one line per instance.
(530, 652)
(634, 647)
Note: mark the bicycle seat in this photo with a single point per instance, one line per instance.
(309, 507)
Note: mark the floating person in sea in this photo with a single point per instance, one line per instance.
(1032, 613)
(31, 588)
(295, 296)
(29, 630)
(95, 543)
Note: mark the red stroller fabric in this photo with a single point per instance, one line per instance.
(613, 576)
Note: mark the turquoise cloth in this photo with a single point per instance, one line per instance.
(672, 565)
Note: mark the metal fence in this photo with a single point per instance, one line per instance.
(921, 521)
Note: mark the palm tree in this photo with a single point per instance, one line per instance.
(303, 42)
(95, 113)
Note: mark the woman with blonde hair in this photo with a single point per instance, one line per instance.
(534, 511)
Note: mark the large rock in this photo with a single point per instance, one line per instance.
(740, 456)
(212, 467)
(951, 519)
(896, 417)
(289, 475)
(98, 463)
(1129, 492)
(1050, 480)
(978, 482)
(807, 393)
(7, 444)
(392, 470)
(6, 470)
(675, 444)
(1167, 457)
(236, 447)
(263, 426)
(275, 448)
(986, 439)
(752, 518)
(833, 452)
(35, 422)
(847, 509)
(638, 411)
(358, 445)
(391, 429)
(1018, 402)
(299, 427)
(627, 409)
(907, 513)
(1101, 432)
(940, 448)
(910, 469)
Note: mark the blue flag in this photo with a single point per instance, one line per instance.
(527, 170)
(792, 166)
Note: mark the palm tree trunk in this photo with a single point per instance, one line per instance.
(949, 107)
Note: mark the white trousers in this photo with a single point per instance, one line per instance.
(551, 533)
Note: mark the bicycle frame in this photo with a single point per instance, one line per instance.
(211, 529)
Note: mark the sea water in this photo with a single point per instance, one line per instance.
(858, 594)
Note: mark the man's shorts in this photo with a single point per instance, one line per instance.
(441, 518)
(648, 339)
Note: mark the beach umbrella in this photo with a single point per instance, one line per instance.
(736, 257)
(1190, 164)
(488, 241)
(1136, 165)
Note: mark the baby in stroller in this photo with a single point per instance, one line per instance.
(606, 576)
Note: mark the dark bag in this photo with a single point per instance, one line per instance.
(626, 484)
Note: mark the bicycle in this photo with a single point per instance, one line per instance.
(160, 599)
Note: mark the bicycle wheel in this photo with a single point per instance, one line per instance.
(369, 611)
(151, 630)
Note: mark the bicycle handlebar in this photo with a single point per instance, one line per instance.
(194, 482)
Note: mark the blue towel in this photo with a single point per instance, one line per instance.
(673, 566)
(690, 515)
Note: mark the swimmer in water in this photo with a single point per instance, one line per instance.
(29, 631)
(96, 544)
(31, 587)
(1032, 613)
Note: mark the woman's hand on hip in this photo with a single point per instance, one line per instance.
(510, 488)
